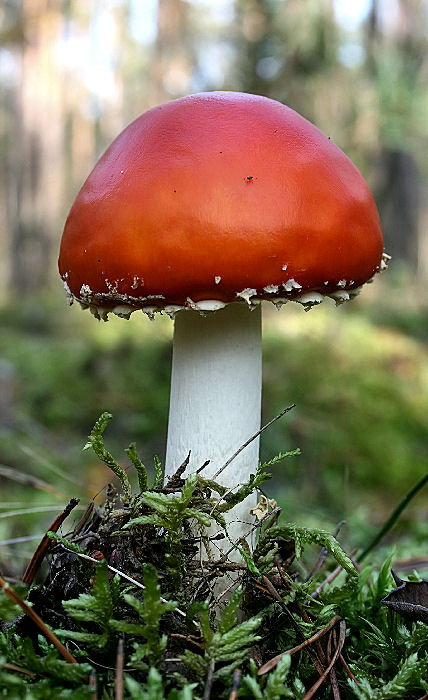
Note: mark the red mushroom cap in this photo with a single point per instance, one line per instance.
(219, 196)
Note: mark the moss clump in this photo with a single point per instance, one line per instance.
(150, 605)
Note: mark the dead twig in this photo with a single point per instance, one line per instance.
(311, 692)
(93, 684)
(236, 682)
(333, 679)
(253, 437)
(29, 480)
(347, 669)
(209, 681)
(118, 682)
(269, 665)
(330, 577)
(18, 669)
(37, 620)
(322, 555)
(83, 520)
(253, 528)
(275, 595)
(189, 639)
(45, 543)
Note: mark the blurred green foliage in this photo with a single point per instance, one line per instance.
(360, 384)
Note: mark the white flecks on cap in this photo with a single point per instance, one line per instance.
(309, 299)
(246, 294)
(217, 279)
(279, 302)
(341, 283)
(100, 312)
(284, 267)
(291, 284)
(208, 305)
(385, 260)
(271, 288)
(112, 286)
(171, 309)
(68, 293)
(150, 311)
(123, 311)
(86, 292)
(340, 296)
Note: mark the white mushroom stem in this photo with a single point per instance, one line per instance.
(216, 398)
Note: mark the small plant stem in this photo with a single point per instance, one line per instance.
(393, 517)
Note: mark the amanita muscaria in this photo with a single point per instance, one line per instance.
(202, 208)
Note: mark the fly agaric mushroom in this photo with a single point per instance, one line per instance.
(202, 208)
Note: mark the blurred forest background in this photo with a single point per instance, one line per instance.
(73, 73)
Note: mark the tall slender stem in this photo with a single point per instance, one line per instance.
(216, 397)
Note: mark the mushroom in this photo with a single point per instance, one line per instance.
(202, 208)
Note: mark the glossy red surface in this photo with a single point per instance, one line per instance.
(219, 185)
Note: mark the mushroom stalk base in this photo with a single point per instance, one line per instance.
(216, 398)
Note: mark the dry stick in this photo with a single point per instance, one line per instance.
(250, 532)
(93, 684)
(275, 595)
(311, 692)
(209, 681)
(45, 543)
(331, 577)
(322, 555)
(236, 682)
(253, 437)
(29, 480)
(269, 665)
(118, 683)
(37, 620)
(347, 669)
(333, 679)
(401, 565)
(304, 615)
(202, 467)
(20, 540)
(84, 519)
(18, 669)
